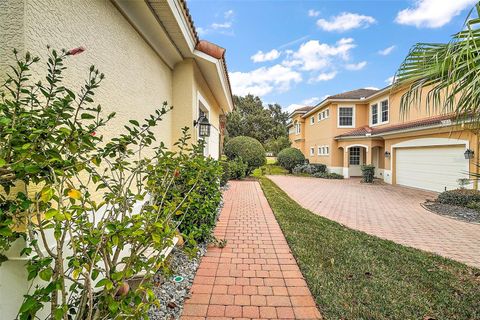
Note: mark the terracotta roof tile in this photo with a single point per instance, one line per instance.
(211, 49)
(363, 131)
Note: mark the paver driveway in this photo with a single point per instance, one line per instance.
(389, 212)
(255, 276)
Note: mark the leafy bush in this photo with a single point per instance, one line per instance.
(248, 149)
(368, 173)
(327, 175)
(289, 158)
(234, 169)
(310, 168)
(48, 138)
(475, 205)
(459, 197)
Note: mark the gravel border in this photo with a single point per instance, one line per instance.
(171, 294)
(454, 212)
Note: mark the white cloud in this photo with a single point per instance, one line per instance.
(224, 27)
(345, 21)
(293, 107)
(264, 80)
(311, 101)
(389, 80)
(387, 51)
(313, 13)
(432, 13)
(314, 55)
(228, 14)
(356, 66)
(261, 56)
(324, 76)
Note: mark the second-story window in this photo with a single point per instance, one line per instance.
(385, 111)
(312, 151)
(374, 113)
(312, 120)
(345, 117)
(327, 113)
(297, 127)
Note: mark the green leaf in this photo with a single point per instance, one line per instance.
(28, 304)
(2, 162)
(87, 116)
(46, 274)
(104, 283)
(134, 122)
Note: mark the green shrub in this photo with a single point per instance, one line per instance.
(459, 197)
(289, 158)
(475, 205)
(225, 173)
(311, 168)
(248, 149)
(368, 173)
(327, 175)
(238, 169)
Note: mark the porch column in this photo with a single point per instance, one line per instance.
(345, 163)
(368, 155)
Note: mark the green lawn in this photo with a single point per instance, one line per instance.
(357, 276)
(269, 169)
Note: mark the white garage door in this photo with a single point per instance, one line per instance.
(431, 168)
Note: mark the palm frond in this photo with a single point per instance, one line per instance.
(447, 74)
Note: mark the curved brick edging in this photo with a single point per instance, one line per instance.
(255, 276)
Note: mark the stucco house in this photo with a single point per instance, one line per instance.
(420, 149)
(149, 52)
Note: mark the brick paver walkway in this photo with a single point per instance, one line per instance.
(255, 276)
(389, 212)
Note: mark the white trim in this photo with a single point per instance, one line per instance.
(378, 102)
(353, 115)
(428, 142)
(387, 176)
(356, 145)
(184, 25)
(345, 172)
(338, 170)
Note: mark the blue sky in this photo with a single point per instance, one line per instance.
(297, 52)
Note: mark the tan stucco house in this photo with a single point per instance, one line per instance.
(149, 52)
(417, 148)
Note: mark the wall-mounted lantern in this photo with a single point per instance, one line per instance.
(469, 153)
(387, 154)
(203, 126)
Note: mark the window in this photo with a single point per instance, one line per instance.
(354, 158)
(312, 120)
(327, 151)
(312, 151)
(319, 116)
(297, 127)
(319, 151)
(345, 117)
(384, 110)
(327, 113)
(374, 113)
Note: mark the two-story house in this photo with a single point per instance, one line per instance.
(421, 149)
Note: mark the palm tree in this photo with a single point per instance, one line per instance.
(449, 73)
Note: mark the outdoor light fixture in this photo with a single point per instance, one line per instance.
(387, 154)
(469, 154)
(203, 126)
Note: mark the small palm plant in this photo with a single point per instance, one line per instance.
(449, 73)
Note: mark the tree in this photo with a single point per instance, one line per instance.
(449, 72)
(250, 118)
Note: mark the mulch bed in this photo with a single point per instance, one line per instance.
(456, 212)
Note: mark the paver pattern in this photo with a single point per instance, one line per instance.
(254, 276)
(390, 212)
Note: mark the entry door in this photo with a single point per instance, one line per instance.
(355, 156)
